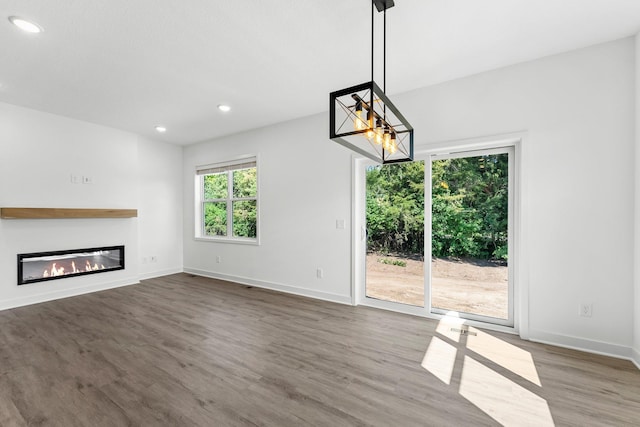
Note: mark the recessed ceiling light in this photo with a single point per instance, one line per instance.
(161, 129)
(24, 25)
(224, 108)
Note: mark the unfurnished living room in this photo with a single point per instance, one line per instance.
(327, 213)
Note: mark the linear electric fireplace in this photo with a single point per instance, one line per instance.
(43, 266)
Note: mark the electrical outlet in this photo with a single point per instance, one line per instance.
(76, 179)
(218, 259)
(87, 180)
(319, 273)
(144, 260)
(154, 258)
(586, 310)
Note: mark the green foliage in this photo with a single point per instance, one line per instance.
(395, 207)
(244, 183)
(245, 218)
(469, 207)
(245, 212)
(397, 262)
(215, 186)
(215, 218)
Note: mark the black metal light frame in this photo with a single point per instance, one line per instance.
(368, 96)
(356, 140)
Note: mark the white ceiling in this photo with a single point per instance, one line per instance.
(135, 64)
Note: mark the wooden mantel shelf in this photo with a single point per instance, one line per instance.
(55, 213)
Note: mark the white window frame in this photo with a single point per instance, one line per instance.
(225, 167)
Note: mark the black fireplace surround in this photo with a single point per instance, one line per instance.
(45, 266)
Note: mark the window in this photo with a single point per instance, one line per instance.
(228, 201)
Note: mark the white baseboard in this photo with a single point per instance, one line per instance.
(341, 299)
(65, 293)
(153, 274)
(582, 344)
(635, 357)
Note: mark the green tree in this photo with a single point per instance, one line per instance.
(395, 207)
(245, 183)
(469, 207)
(215, 218)
(244, 218)
(215, 186)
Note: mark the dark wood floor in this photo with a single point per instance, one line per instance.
(185, 350)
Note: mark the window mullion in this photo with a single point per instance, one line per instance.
(230, 204)
(202, 206)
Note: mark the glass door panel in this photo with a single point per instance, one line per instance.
(395, 197)
(470, 217)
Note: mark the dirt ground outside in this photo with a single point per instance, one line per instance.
(469, 286)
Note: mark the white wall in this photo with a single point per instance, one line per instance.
(636, 257)
(40, 152)
(578, 111)
(159, 208)
(578, 161)
(304, 186)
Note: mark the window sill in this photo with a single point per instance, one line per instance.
(252, 242)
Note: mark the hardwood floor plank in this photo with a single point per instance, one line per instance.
(187, 350)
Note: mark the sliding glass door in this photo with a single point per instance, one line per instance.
(437, 235)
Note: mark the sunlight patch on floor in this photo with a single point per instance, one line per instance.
(451, 320)
(440, 359)
(501, 398)
(505, 401)
(510, 357)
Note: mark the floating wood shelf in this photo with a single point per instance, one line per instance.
(54, 213)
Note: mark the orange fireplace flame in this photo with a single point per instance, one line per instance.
(55, 271)
(59, 271)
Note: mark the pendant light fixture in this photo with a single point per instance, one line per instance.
(363, 119)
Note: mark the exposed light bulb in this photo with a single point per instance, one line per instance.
(161, 129)
(386, 138)
(359, 123)
(224, 108)
(370, 132)
(379, 131)
(393, 143)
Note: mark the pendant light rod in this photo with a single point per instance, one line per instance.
(384, 60)
(372, 27)
(384, 52)
(382, 6)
